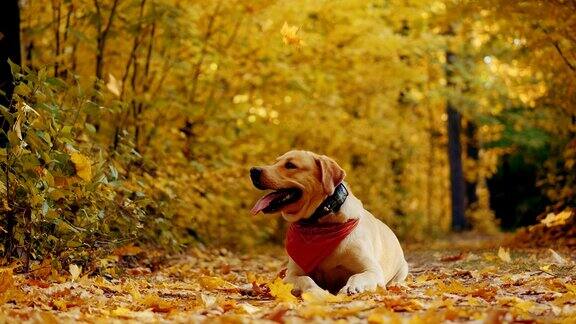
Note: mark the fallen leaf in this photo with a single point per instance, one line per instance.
(320, 296)
(249, 309)
(121, 312)
(455, 257)
(75, 271)
(282, 291)
(213, 283)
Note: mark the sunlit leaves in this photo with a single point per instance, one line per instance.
(82, 165)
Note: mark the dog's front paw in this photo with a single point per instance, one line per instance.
(358, 283)
(301, 284)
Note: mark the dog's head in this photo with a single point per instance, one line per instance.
(299, 180)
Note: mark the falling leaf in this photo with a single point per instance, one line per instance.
(75, 271)
(289, 35)
(114, 85)
(282, 291)
(504, 255)
(82, 165)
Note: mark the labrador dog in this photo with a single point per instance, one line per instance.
(307, 189)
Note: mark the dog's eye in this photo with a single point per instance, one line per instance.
(290, 165)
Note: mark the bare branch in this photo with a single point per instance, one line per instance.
(559, 49)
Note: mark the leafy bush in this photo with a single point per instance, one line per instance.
(61, 190)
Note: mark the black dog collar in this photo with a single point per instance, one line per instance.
(330, 205)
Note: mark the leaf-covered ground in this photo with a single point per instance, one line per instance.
(446, 283)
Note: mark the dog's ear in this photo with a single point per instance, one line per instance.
(331, 174)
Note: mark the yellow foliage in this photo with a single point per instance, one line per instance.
(82, 165)
(282, 291)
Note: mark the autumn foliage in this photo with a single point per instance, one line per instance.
(136, 121)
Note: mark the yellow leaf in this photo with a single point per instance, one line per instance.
(212, 283)
(133, 291)
(504, 255)
(114, 85)
(75, 271)
(571, 288)
(545, 268)
(60, 304)
(289, 35)
(552, 219)
(121, 311)
(282, 291)
(319, 296)
(82, 165)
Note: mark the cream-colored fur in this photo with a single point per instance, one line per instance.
(369, 257)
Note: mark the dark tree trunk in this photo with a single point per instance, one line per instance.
(471, 153)
(457, 184)
(9, 50)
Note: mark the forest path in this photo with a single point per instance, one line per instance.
(458, 280)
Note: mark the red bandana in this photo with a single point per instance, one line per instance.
(309, 245)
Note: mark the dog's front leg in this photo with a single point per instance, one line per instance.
(367, 280)
(296, 276)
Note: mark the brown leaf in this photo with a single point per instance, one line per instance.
(454, 257)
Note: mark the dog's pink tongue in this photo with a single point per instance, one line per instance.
(264, 202)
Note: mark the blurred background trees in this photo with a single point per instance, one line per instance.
(138, 119)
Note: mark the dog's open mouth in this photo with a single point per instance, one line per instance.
(277, 199)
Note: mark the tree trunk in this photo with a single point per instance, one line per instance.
(471, 153)
(9, 50)
(457, 184)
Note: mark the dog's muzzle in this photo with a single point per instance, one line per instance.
(256, 175)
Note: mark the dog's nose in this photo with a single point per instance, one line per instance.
(255, 174)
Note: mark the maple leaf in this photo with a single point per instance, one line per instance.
(504, 255)
(82, 165)
(282, 291)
